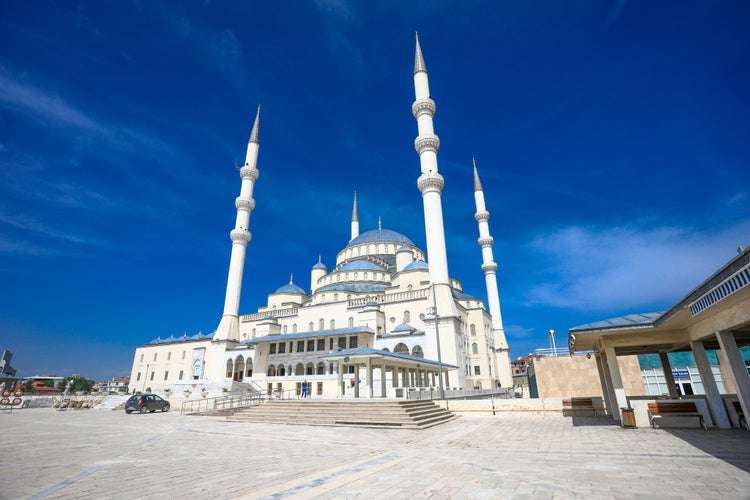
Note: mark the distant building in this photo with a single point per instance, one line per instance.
(118, 385)
(385, 317)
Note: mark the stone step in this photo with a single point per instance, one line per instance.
(383, 414)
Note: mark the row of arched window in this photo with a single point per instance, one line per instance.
(402, 348)
(282, 370)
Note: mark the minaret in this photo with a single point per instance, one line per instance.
(229, 326)
(489, 268)
(355, 218)
(430, 184)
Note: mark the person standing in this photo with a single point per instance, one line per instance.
(304, 389)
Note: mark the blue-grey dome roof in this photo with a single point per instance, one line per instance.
(403, 248)
(417, 264)
(360, 265)
(291, 288)
(380, 236)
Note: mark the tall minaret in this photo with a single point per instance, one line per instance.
(229, 326)
(355, 218)
(489, 268)
(430, 184)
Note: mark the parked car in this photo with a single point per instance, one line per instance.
(146, 402)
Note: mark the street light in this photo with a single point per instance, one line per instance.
(433, 312)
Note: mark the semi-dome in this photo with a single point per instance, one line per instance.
(360, 265)
(380, 236)
(417, 264)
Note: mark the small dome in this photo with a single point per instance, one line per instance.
(380, 236)
(417, 264)
(291, 288)
(403, 248)
(320, 265)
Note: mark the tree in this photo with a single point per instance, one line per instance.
(28, 387)
(79, 383)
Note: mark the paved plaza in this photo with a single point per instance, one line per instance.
(107, 454)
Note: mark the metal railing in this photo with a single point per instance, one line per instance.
(434, 393)
(228, 402)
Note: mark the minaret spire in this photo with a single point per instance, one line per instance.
(229, 326)
(489, 268)
(430, 183)
(355, 218)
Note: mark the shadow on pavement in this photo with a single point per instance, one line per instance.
(600, 421)
(730, 445)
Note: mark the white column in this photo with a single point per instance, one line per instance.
(383, 372)
(342, 388)
(713, 397)
(668, 375)
(356, 381)
(737, 369)
(370, 388)
(619, 390)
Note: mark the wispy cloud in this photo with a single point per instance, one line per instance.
(606, 269)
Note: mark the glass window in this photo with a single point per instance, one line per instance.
(152, 376)
(169, 355)
(166, 374)
(310, 345)
(342, 342)
(272, 348)
(352, 342)
(321, 344)
(138, 377)
(181, 374)
(477, 371)
(282, 347)
(300, 346)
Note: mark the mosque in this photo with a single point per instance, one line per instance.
(387, 316)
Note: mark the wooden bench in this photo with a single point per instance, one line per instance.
(575, 405)
(676, 409)
(740, 414)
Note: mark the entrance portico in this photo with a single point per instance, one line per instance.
(714, 316)
(394, 371)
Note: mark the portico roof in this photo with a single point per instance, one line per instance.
(362, 353)
(719, 303)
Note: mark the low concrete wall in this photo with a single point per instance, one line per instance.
(483, 406)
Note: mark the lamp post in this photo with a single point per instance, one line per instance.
(437, 337)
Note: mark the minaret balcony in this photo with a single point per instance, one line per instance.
(423, 107)
(430, 182)
(486, 242)
(489, 268)
(427, 143)
(244, 204)
(240, 236)
(482, 216)
(248, 172)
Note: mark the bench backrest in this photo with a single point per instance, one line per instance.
(673, 407)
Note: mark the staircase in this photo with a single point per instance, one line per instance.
(381, 414)
(113, 402)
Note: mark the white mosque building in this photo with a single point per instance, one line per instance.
(387, 316)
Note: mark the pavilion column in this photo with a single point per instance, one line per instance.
(668, 375)
(356, 381)
(713, 397)
(394, 376)
(737, 370)
(604, 380)
(342, 389)
(370, 388)
(432, 379)
(383, 372)
(614, 374)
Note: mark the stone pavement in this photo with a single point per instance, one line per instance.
(86, 454)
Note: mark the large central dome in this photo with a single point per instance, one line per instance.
(380, 236)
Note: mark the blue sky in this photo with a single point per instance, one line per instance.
(611, 137)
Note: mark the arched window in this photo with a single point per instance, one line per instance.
(473, 330)
(321, 369)
(299, 369)
(474, 348)
(294, 328)
(253, 335)
(239, 368)
(310, 369)
(332, 324)
(169, 355)
(409, 287)
(310, 326)
(285, 328)
(321, 324)
(154, 356)
(271, 371)
(141, 357)
(401, 348)
(386, 349)
(249, 366)
(407, 316)
(335, 297)
(229, 368)
(351, 322)
(183, 354)
(417, 352)
(281, 371)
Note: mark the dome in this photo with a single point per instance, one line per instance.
(417, 264)
(291, 288)
(380, 236)
(360, 265)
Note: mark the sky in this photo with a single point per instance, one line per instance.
(612, 139)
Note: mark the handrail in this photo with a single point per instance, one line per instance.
(220, 403)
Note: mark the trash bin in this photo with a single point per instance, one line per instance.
(628, 418)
